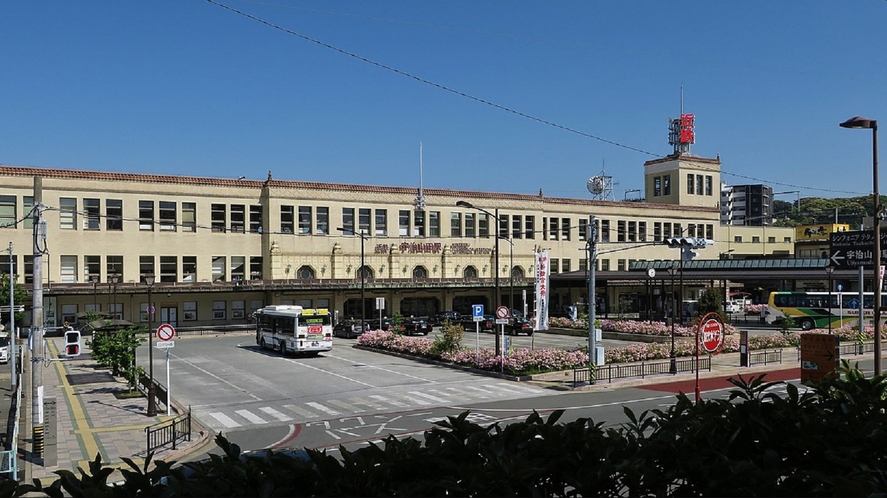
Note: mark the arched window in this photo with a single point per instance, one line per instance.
(365, 272)
(517, 272)
(470, 272)
(420, 272)
(305, 272)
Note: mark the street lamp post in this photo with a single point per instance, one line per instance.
(152, 402)
(829, 269)
(114, 280)
(673, 364)
(362, 271)
(468, 205)
(859, 122)
(95, 292)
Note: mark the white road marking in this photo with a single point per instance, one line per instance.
(301, 411)
(283, 417)
(224, 419)
(252, 417)
(318, 406)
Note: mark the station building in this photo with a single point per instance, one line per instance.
(221, 248)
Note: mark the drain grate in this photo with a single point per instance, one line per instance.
(89, 378)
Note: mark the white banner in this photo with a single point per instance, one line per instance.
(543, 266)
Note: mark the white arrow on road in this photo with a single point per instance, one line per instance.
(835, 257)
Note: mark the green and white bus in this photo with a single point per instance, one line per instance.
(816, 309)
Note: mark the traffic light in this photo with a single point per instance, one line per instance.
(72, 343)
(687, 244)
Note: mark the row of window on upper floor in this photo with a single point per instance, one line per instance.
(170, 216)
(696, 185)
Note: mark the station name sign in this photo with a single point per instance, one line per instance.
(431, 248)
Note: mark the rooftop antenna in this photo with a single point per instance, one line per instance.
(601, 186)
(420, 199)
(680, 131)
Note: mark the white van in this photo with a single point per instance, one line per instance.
(4, 347)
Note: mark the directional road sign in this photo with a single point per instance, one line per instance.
(853, 249)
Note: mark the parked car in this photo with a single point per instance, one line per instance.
(417, 325)
(452, 316)
(349, 329)
(488, 324)
(517, 326)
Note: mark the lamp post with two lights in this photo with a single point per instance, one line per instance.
(362, 271)
(673, 363)
(152, 402)
(468, 205)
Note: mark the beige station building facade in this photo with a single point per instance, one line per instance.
(220, 248)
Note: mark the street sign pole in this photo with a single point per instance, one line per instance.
(168, 388)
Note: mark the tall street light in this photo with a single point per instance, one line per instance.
(673, 365)
(362, 271)
(511, 272)
(859, 122)
(152, 403)
(95, 292)
(468, 205)
(114, 280)
(829, 269)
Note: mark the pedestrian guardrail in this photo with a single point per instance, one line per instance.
(9, 457)
(764, 357)
(643, 369)
(169, 432)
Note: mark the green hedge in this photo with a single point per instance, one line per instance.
(829, 441)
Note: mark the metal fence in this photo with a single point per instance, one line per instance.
(764, 357)
(9, 457)
(169, 432)
(642, 369)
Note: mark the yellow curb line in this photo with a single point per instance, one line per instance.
(88, 442)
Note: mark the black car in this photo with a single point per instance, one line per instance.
(417, 325)
(488, 324)
(519, 325)
(452, 316)
(349, 329)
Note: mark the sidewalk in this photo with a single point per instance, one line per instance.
(92, 420)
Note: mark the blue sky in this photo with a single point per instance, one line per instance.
(189, 87)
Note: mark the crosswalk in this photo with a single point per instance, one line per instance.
(390, 400)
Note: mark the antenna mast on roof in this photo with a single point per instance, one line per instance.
(601, 186)
(420, 199)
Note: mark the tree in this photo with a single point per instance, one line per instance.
(116, 349)
(710, 301)
(19, 295)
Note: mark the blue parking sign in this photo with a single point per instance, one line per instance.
(477, 310)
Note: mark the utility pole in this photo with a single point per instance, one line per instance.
(591, 240)
(38, 354)
(12, 334)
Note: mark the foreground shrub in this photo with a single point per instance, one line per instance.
(829, 441)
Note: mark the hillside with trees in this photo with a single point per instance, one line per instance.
(816, 210)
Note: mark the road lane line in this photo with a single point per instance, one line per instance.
(252, 417)
(283, 417)
(223, 419)
(318, 406)
(330, 373)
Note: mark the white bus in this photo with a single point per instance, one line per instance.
(293, 329)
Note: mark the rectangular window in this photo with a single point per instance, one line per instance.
(666, 184)
(583, 264)
(167, 212)
(676, 229)
(632, 231)
(605, 230)
(92, 268)
(755, 239)
(238, 218)
(322, 227)
(698, 184)
(503, 227)
(7, 211)
(530, 227)
(189, 217)
(470, 225)
(169, 266)
(348, 220)
(255, 267)
(565, 265)
(146, 266)
(114, 214)
(657, 186)
(146, 216)
(434, 224)
(710, 232)
(516, 226)
(114, 266)
(455, 224)
(287, 219)
(583, 229)
(68, 213)
(620, 231)
(218, 268)
(255, 218)
(666, 230)
(787, 240)
(620, 265)
(737, 239)
(403, 222)
(691, 230)
(483, 225)
(93, 210)
(690, 183)
(708, 186)
(642, 231)
(238, 268)
(565, 229)
(305, 218)
(553, 228)
(657, 231)
(555, 265)
(28, 201)
(218, 217)
(364, 217)
(382, 222)
(605, 265)
(189, 268)
(771, 240)
(418, 223)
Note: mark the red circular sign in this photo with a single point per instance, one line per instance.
(165, 332)
(712, 335)
(502, 312)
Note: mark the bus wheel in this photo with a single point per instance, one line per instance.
(807, 324)
(262, 344)
(283, 348)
